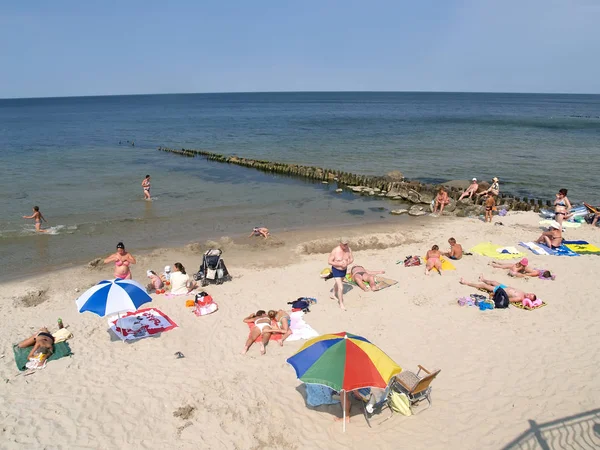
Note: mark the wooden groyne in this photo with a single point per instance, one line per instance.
(394, 186)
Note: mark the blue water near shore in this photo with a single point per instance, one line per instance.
(64, 155)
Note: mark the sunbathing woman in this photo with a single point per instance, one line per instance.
(534, 273)
(362, 276)
(433, 260)
(552, 238)
(122, 260)
(494, 189)
(562, 206)
(283, 323)
(263, 327)
(43, 345)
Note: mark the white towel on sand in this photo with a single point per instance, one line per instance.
(534, 248)
(300, 329)
(511, 250)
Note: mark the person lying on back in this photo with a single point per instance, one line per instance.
(514, 295)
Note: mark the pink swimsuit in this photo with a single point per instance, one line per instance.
(120, 263)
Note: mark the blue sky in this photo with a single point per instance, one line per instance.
(66, 48)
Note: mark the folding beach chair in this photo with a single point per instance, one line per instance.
(417, 388)
(374, 404)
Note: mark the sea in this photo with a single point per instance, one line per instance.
(82, 161)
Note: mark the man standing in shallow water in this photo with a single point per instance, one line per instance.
(339, 259)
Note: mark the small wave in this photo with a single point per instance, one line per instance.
(29, 230)
(369, 242)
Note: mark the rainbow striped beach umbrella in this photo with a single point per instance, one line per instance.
(343, 362)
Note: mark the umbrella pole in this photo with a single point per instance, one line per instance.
(119, 325)
(343, 411)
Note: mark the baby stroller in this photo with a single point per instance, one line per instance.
(212, 268)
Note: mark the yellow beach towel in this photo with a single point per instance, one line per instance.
(61, 335)
(382, 282)
(583, 247)
(528, 308)
(325, 272)
(446, 264)
(489, 249)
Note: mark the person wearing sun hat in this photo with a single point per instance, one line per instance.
(494, 189)
(553, 237)
(521, 267)
(472, 189)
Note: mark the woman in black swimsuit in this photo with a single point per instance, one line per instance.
(360, 276)
(562, 206)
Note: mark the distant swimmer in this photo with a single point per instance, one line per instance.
(146, 187)
(38, 217)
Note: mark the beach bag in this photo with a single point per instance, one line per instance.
(501, 298)
(410, 261)
(203, 299)
(300, 304)
(400, 403)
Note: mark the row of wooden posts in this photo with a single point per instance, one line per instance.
(381, 183)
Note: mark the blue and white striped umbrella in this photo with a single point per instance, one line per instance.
(112, 297)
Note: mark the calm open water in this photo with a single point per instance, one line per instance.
(63, 154)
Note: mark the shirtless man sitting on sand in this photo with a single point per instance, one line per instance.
(361, 276)
(514, 295)
(339, 259)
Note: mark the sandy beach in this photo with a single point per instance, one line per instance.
(500, 369)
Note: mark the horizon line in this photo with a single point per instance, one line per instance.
(298, 92)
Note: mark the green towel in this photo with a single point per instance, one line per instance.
(61, 349)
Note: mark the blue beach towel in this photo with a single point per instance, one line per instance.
(317, 395)
(541, 249)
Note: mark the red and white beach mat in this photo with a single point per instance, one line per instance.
(140, 324)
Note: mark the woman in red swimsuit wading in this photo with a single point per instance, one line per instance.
(122, 260)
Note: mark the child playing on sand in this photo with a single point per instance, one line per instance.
(260, 231)
(155, 282)
(456, 250)
(490, 202)
(38, 217)
(433, 260)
